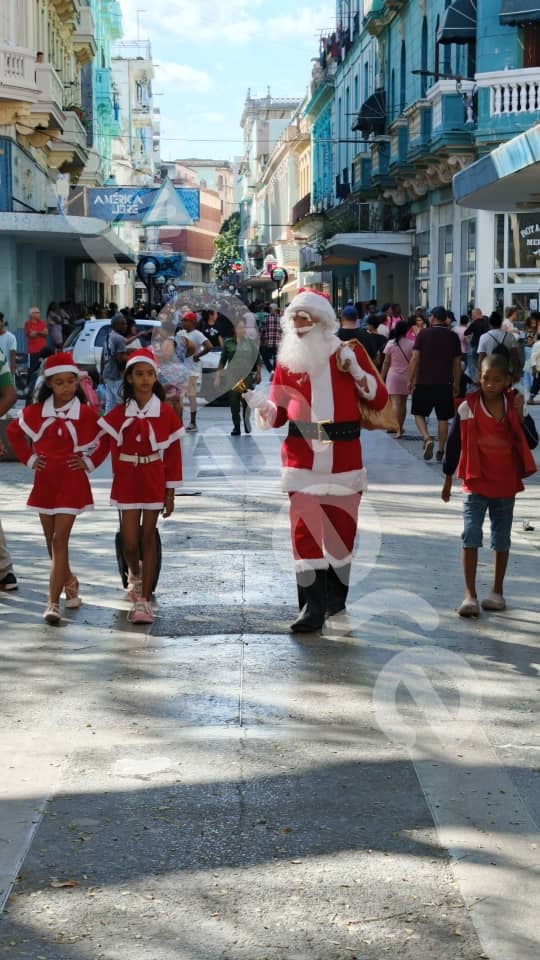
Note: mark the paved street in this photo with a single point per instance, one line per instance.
(214, 788)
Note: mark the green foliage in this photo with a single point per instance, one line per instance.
(226, 247)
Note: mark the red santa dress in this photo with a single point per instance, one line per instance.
(324, 479)
(146, 453)
(57, 434)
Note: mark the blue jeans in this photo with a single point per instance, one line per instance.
(501, 512)
(112, 394)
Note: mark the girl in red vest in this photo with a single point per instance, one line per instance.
(490, 444)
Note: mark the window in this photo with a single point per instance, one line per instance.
(403, 79)
(531, 45)
(424, 58)
(445, 265)
(468, 265)
(422, 270)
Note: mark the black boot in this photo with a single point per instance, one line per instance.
(312, 590)
(235, 432)
(337, 589)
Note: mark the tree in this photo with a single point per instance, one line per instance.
(226, 248)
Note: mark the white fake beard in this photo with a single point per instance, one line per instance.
(307, 353)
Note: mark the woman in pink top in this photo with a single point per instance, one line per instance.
(397, 354)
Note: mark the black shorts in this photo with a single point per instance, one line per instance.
(433, 395)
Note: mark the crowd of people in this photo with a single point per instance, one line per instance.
(327, 378)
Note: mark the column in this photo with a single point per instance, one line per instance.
(485, 259)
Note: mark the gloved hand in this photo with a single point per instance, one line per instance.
(256, 400)
(350, 364)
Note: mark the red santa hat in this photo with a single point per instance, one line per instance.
(60, 363)
(144, 355)
(315, 303)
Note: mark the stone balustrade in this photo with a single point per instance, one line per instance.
(17, 71)
(512, 91)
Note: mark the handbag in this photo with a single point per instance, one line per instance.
(384, 419)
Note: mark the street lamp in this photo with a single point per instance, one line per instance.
(160, 282)
(279, 276)
(149, 268)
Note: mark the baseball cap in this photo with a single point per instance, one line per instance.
(189, 315)
(349, 313)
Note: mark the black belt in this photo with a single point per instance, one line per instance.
(325, 431)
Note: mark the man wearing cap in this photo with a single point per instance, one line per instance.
(8, 397)
(434, 377)
(316, 390)
(201, 345)
(350, 331)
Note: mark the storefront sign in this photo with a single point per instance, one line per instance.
(127, 203)
(524, 240)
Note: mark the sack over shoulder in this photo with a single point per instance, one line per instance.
(384, 419)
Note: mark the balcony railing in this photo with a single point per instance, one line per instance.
(74, 130)
(301, 209)
(512, 91)
(17, 70)
(50, 89)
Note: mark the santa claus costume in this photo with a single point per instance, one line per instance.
(315, 389)
(145, 448)
(143, 434)
(57, 438)
(56, 433)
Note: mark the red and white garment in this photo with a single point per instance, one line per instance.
(143, 432)
(57, 434)
(329, 395)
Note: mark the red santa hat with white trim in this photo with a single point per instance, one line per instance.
(315, 303)
(144, 355)
(60, 363)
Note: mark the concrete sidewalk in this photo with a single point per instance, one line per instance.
(217, 788)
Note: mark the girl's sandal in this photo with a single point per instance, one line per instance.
(71, 589)
(134, 592)
(52, 613)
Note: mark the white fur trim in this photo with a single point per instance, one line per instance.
(72, 511)
(31, 461)
(337, 563)
(61, 368)
(107, 428)
(28, 430)
(368, 394)
(89, 465)
(334, 484)
(319, 563)
(322, 408)
(465, 412)
(314, 304)
(138, 359)
(173, 484)
(137, 506)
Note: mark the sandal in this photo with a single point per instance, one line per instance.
(71, 590)
(141, 612)
(469, 608)
(428, 449)
(494, 601)
(52, 613)
(134, 589)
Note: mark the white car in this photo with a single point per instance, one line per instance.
(86, 342)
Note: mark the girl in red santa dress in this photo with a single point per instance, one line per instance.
(54, 438)
(143, 434)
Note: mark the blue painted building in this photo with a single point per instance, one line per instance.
(413, 92)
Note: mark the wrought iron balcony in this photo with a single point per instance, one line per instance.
(301, 209)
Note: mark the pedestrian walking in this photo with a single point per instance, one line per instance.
(534, 363)
(54, 437)
(200, 345)
(497, 340)
(349, 330)
(395, 371)
(55, 336)
(242, 362)
(8, 397)
(209, 329)
(35, 331)
(143, 434)
(171, 352)
(317, 387)
(8, 345)
(270, 336)
(434, 377)
(113, 361)
(489, 446)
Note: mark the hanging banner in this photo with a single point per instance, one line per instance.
(116, 204)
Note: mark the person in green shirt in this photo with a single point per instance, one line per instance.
(8, 580)
(242, 362)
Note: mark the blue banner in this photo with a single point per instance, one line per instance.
(133, 203)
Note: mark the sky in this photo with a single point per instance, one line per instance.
(208, 52)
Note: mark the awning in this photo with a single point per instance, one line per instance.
(350, 248)
(372, 114)
(458, 23)
(84, 239)
(514, 12)
(508, 178)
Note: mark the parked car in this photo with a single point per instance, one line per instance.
(86, 344)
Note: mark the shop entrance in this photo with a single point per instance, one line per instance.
(526, 300)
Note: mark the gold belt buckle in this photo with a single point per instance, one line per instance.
(321, 424)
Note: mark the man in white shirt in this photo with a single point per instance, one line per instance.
(8, 345)
(498, 340)
(201, 346)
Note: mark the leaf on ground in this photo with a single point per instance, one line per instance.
(57, 882)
